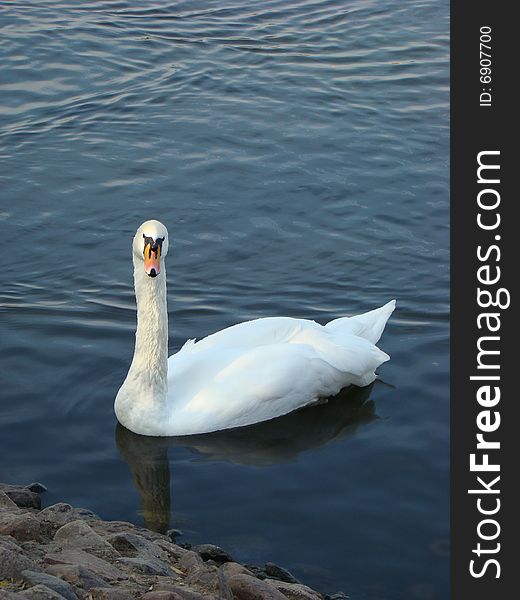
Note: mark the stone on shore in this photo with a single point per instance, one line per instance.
(173, 551)
(8, 595)
(78, 534)
(98, 566)
(7, 504)
(212, 552)
(132, 544)
(182, 593)
(280, 573)
(36, 487)
(22, 496)
(20, 525)
(54, 583)
(295, 591)
(12, 560)
(42, 592)
(55, 516)
(77, 575)
(148, 566)
(127, 592)
(232, 568)
(248, 587)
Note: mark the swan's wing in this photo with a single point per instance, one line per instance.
(223, 388)
(251, 334)
(279, 330)
(263, 369)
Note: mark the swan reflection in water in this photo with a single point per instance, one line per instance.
(272, 442)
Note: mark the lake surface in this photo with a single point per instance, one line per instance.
(298, 152)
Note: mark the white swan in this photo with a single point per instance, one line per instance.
(247, 373)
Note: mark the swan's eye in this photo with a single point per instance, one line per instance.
(151, 245)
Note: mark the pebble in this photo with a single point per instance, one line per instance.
(42, 592)
(36, 487)
(7, 595)
(295, 591)
(173, 534)
(19, 525)
(232, 568)
(6, 503)
(98, 566)
(77, 575)
(131, 545)
(162, 595)
(21, 496)
(120, 593)
(55, 516)
(79, 534)
(54, 583)
(279, 573)
(247, 587)
(13, 561)
(148, 565)
(211, 552)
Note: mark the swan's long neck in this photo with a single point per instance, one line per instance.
(149, 367)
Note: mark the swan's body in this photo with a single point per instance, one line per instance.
(247, 373)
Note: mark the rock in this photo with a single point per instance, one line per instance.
(173, 534)
(21, 496)
(190, 561)
(211, 552)
(7, 595)
(42, 592)
(183, 593)
(107, 528)
(13, 561)
(232, 568)
(131, 544)
(205, 577)
(257, 571)
(141, 554)
(55, 516)
(20, 525)
(228, 570)
(148, 566)
(248, 587)
(7, 504)
(79, 534)
(279, 573)
(36, 487)
(58, 585)
(98, 566)
(115, 593)
(174, 551)
(162, 595)
(295, 591)
(165, 584)
(77, 575)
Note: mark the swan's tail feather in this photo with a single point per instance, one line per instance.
(369, 325)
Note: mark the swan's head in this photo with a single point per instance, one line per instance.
(151, 246)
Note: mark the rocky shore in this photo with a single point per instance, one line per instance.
(68, 553)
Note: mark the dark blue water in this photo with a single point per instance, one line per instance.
(298, 152)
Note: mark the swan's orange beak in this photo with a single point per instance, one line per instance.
(152, 259)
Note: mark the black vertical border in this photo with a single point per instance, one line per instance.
(476, 128)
